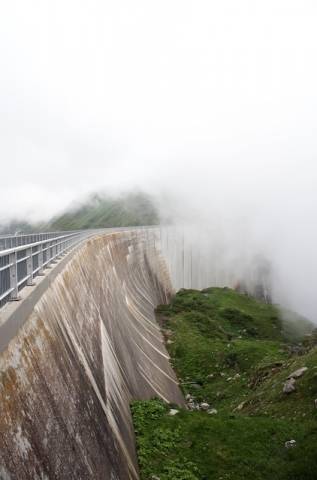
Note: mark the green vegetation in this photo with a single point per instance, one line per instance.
(235, 353)
(102, 211)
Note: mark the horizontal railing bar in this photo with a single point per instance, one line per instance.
(23, 280)
(5, 267)
(23, 259)
(6, 294)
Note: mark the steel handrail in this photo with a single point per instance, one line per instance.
(18, 271)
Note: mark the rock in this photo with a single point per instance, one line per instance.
(204, 406)
(155, 477)
(168, 333)
(298, 373)
(193, 406)
(222, 374)
(211, 375)
(237, 375)
(289, 386)
(290, 444)
(297, 350)
(240, 406)
(188, 397)
(169, 342)
(173, 412)
(195, 386)
(315, 402)
(212, 411)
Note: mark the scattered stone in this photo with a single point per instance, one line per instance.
(193, 406)
(237, 375)
(315, 402)
(212, 411)
(204, 406)
(169, 342)
(188, 397)
(196, 386)
(222, 374)
(240, 406)
(173, 412)
(155, 477)
(290, 444)
(298, 373)
(289, 386)
(211, 375)
(297, 350)
(168, 333)
(229, 379)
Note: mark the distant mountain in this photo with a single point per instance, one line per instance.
(101, 211)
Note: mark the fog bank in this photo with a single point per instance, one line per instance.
(209, 106)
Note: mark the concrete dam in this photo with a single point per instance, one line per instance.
(88, 345)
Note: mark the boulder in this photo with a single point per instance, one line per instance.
(298, 373)
(290, 444)
(212, 411)
(289, 386)
(241, 406)
(173, 412)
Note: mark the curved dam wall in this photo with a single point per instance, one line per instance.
(90, 346)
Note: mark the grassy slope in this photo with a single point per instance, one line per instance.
(230, 350)
(99, 212)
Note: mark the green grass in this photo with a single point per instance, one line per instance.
(231, 350)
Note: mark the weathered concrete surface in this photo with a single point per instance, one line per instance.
(89, 347)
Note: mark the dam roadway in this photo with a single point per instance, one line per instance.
(78, 346)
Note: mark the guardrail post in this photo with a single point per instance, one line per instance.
(49, 255)
(14, 295)
(40, 257)
(29, 267)
(54, 252)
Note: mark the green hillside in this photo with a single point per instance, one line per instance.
(233, 356)
(104, 211)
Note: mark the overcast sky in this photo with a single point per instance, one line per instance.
(212, 102)
(117, 93)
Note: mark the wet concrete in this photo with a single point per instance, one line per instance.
(89, 347)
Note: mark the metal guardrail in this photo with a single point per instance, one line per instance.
(17, 240)
(21, 262)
